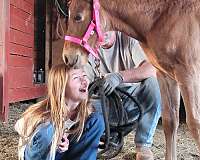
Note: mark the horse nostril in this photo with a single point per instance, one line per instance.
(76, 59)
(72, 60)
(66, 60)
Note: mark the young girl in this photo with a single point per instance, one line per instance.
(62, 125)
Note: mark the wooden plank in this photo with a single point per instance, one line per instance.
(21, 38)
(1, 22)
(4, 108)
(23, 5)
(1, 58)
(1, 6)
(1, 34)
(1, 90)
(20, 24)
(20, 77)
(21, 50)
(1, 31)
(20, 13)
(20, 61)
(21, 94)
(1, 75)
(30, 1)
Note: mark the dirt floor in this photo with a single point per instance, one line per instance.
(186, 148)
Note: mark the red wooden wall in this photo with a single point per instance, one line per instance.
(20, 54)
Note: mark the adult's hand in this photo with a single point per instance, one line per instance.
(112, 80)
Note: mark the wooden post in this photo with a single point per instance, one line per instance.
(48, 44)
(4, 52)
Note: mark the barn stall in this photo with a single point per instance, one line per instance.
(25, 50)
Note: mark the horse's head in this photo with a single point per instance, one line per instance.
(80, 17)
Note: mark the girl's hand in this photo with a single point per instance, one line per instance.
(63, 146)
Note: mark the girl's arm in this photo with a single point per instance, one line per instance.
(39, 146)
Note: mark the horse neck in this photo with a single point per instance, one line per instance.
(134, 17)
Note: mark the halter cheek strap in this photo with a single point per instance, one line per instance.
(96, 17)
(94, 26)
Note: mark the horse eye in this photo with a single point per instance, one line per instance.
(78, 18)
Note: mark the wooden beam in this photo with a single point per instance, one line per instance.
(5, 11)
(17, 49)
(23, 5)
(21, 94)
(21, 38)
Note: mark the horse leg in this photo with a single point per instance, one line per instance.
(189, 79)
(170, 113)
(170, 94)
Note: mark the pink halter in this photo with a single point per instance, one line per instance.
(94, 25)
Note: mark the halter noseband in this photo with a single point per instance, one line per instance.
(94, 26)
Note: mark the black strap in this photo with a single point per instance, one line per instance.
(118, 128)
(98, 85)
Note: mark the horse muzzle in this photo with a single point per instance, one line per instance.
(74, 58)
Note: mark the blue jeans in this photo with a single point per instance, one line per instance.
(86, 148)
(147, 113)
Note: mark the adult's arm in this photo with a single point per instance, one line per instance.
(143, 71)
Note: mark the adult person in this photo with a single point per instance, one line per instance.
(63, 124)
(123, 65)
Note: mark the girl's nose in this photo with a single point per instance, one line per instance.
(84, 80)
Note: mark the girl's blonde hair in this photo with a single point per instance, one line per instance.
(53, 109)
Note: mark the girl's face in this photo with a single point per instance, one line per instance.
(77, 85)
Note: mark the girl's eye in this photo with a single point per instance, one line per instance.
(75, 77)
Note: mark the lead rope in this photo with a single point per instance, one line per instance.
(99, 82)
(107, 143)
(97, 68)
(59, 10)
(59, 25)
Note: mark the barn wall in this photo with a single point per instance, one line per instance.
(21, 55)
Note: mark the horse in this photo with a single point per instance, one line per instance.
(169, 33)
